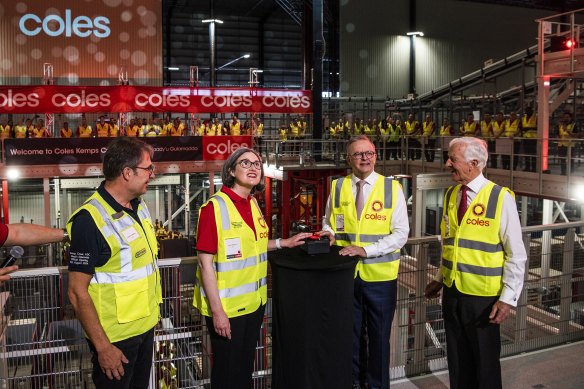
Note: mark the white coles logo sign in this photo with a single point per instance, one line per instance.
(81, 39)
(54, 25)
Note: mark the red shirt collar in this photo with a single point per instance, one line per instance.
(234, 196)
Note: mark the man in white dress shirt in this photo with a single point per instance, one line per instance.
(483, 266)
(367, 215)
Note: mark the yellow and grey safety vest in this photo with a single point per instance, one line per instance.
(566, 132)
(374, 224)
(511, 128)
(126, 290)
(529, 126)
(472, 252)
(469, 129)
(240, 263)
(428, 129)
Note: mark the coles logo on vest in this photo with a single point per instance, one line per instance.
(376, 206)
(478, 210)
(219, 148)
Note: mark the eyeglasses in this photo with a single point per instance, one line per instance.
(150, 169)
(362, 155)
(246, 164)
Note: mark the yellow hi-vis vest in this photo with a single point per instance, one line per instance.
(428, 129)
(20, 131)
(472, 252)
(126, 290)
(529, 126)
(498, 128)
(241, 275)
(469, 129)
(486, 129)
(4, 131)
(512, 128)
(102, 130)
(565, 132)
(235, 128)
(411, 128)
(375, 223)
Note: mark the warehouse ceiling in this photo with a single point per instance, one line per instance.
(552, 5)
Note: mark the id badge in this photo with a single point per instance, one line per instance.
(340, 222)
(130, 234)
(233, 248)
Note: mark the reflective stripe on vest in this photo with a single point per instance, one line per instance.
(126, 221)
(114, 278)
(367, 230)
(383, 258)
(239, 265)
(241, 281)
(475, 245)
(237, 291)
(387, 187)
(473, 255)
(473, 269)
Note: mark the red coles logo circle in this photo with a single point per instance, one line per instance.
(262, 222)
(478, 209)
(377, 206)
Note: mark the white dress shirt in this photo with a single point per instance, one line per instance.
(511, 238)
(400, 226)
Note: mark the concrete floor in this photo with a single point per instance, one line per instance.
(560, 367)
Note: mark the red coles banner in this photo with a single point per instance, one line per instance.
(80, 99)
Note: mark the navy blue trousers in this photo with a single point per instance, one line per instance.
(374, 306)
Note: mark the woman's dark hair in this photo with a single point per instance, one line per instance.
(230, 165)
(123, 152)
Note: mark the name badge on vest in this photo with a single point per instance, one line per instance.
(233, 248)
(130, 234)
(340, 223)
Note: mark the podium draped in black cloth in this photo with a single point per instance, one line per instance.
(312, 319)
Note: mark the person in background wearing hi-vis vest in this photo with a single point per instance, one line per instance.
(232, 249)
(483, 266)
(114, 281)
(366, 214)
(566, 130)
(529, 133)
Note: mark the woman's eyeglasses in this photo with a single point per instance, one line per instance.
(246, 164)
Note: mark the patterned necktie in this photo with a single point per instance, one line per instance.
(359, 202)
(463, 205)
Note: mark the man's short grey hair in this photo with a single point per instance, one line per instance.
(475, 149)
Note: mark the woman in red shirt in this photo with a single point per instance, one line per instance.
(232, 240)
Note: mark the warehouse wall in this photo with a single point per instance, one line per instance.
(459, 37)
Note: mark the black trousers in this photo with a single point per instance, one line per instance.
(138, 350)
(530, 149)
(473, 344)
(430, 150)
(233, 359)
(492, 146)
(563, 154)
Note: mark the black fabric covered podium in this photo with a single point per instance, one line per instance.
(312, 319)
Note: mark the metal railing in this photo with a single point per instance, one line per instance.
(42, 344)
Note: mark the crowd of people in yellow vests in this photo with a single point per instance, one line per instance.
(137, 127)
(521, 130)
